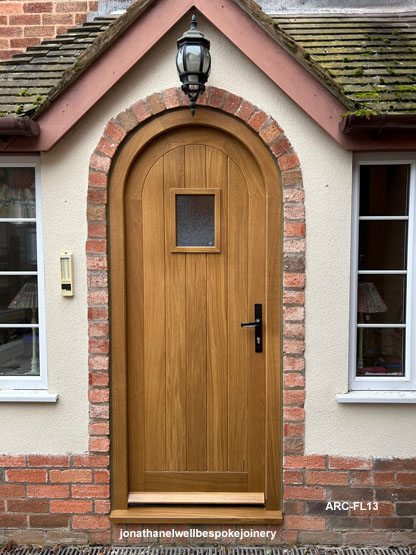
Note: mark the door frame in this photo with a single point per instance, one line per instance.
(119, 425)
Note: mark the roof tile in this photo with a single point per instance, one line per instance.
(29, 79)
(372, 59)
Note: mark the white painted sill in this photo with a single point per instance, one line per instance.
(27, 396)
(398, 397)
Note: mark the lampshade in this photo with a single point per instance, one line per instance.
(17, 193)
(369, 299)
(27, 297)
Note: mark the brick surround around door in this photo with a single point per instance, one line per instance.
(66, 499)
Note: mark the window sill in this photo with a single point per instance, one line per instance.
(27, 396)
(398, 397)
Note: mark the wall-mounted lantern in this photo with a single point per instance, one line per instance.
(193, 62)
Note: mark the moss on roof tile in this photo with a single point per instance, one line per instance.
(28, 80)
(372, 58)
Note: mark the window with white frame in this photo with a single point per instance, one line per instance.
(382, 349)
(22, 345)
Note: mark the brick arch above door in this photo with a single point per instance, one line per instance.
(294, 227)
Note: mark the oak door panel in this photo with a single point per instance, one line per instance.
(196, 401)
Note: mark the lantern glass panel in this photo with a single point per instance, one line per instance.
(179, 60)
(193, 58)
(207, 60)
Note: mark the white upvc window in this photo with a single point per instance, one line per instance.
(383, 277)
(22, 307)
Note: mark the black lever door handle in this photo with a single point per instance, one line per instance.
(258, 324)
(251, 324)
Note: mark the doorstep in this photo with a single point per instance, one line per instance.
(197, 515)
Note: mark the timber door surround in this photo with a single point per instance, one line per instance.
(195, 246)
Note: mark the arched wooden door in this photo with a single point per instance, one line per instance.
(198, 221)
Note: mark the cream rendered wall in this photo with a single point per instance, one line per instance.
(327, 170)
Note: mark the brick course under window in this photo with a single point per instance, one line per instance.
(76, 509)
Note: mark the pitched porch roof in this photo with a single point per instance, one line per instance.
(288, 49)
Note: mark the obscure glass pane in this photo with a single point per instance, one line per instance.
(381, 299)
(17, 247)
(384, 190)
(17, 193)
(18, 300)
(195, 220)
(380, 352)
(383, 245)
(19, 351)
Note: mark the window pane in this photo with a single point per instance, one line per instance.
(381, 299)
(383, 245)
(17, 247)
(195, 220)
(19, 351)
(380, 352)
(17, 193)
(384, 190)
(18, 300)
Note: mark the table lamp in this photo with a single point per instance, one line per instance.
(369, 302)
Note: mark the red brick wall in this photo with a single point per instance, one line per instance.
(26, 23)
(66, 499)
(54, 499)
(311, 481)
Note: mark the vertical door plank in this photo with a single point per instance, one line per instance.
(195, 166)
(256, 361)
(238, 312)
(135, 329)
(175, 325)
(196, 331)
(217, 353)
(154, 310)
(196, 328)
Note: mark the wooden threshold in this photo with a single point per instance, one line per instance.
(197, 498)
(197, 515)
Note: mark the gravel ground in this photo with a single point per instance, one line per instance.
(218, 550)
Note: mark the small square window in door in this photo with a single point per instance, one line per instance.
(195, 215)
